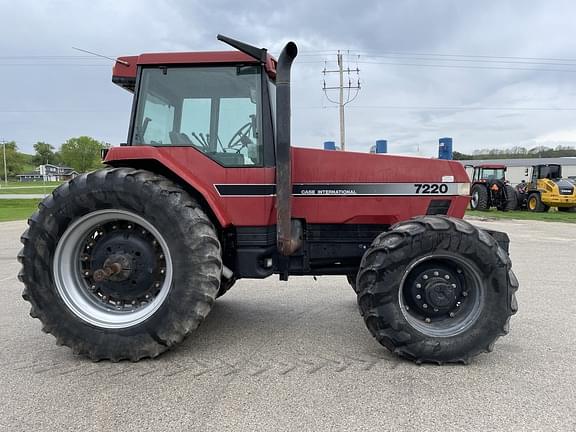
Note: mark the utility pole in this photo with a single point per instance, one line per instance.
(342, 102)
(5, 170)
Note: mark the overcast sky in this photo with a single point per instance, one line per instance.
(479, 101)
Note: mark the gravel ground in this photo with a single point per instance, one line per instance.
(296, 356)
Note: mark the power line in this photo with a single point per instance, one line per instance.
(480, 57)
(468, 67)
(469, 60)
(444, 108)
(402, 53)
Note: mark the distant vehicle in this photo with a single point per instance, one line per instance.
(491, 189)
(548, 189)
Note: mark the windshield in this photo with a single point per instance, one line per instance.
(493, 174)
(217, 110)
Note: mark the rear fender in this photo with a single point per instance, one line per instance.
(147, 158)
(501, 238)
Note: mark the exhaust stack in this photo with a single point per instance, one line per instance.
(288, 231)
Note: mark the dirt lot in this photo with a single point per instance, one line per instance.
(296, 356)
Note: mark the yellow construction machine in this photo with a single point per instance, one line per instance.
(548, 189)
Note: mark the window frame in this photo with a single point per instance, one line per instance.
(263, 113)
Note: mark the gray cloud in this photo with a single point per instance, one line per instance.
(52, 102)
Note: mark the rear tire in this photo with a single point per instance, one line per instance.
(168, 248)
(225, 285)
(511, 202)
(436, 289)
(479, 200)
(535, 203)
(352, 281)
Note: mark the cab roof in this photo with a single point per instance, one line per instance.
(491, 166)
(126, 67)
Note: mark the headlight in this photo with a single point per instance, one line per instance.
(463, 188)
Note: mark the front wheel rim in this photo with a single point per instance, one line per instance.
(441, 295)
(112, 269)
(474, 201)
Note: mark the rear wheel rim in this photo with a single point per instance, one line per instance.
(112, 269)
(532, 203)
(441, 295)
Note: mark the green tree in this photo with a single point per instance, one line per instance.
(14, 160)
(44, 154)
(81, 153)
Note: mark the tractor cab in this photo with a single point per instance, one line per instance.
(216, 102)
(550, 172)
(485, 173)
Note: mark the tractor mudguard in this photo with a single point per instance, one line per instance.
(137, 156)
(501, 238)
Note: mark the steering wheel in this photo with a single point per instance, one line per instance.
(240, 139)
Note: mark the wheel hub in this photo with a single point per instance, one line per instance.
(439, 294)
(122, 264)
(116, 268)
(436, 292)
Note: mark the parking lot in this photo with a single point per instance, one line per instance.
(277, 356)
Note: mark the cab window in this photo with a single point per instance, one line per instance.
(216, 110)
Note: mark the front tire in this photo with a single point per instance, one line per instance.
(535, 204)
(479, 200)
(436, 289)
(120, 264)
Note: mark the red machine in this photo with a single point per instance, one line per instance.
(491, 189)
(124, 262)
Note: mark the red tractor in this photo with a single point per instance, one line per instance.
(490, 189)
(126, 261)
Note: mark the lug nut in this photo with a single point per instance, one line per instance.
(435, 309)
(114, 227)
(447, 277)
(93, 287)
(453, 285)
(418, 296)
(162, 271)
(157, 285)
(86, 273)
(464, 293)
(129, 227)
(418, 285)
(458, 271)
(425, 277)
(425, 306)
(161, 256)
(428, 320)
(436, 273)
(452, 314)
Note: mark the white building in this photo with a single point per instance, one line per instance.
(49, 172)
